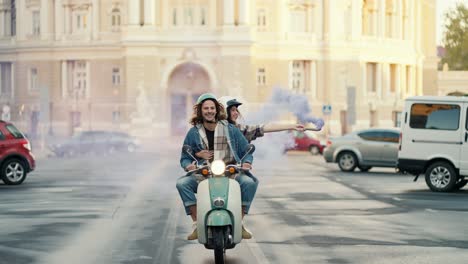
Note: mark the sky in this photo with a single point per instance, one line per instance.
(442, 7)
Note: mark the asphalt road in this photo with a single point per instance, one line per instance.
(125, 209)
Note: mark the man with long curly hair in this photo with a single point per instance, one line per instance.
(213, 138)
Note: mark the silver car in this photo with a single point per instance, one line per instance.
(364, 149)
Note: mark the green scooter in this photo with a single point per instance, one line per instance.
(219, 205)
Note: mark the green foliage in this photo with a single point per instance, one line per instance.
(456, 38)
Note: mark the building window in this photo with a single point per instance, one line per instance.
(393, 77)
(80, 23)
(5, 80)
(298, 76)
(188, 16)
(79, 85)
(261, 19)
(298, 20)
(13, 18)
(369, 14)
(36, 22)
(261, 76)
(115, 19)
(203, 16)
(116, 76)
(33, 80)
(174, 16)
(371, 74)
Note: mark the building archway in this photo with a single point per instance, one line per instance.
(185, 84)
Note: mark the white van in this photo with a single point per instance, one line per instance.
(434, 141)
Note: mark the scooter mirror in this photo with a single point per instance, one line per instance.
(187, 149)
(249, 150)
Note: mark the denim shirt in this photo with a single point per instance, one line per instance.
(236, 140)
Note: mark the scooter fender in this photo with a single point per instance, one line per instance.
(207, 215)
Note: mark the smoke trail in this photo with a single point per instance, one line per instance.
(273, 145)
(284, 101)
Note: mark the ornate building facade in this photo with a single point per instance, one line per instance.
(120, 64)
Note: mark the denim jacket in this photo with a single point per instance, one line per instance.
(236, 141)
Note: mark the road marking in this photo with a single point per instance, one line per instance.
(431, 210)
(396, 198)
(372, 191)
(164, 253)
(257, 252)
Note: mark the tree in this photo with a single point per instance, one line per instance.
(455, 39)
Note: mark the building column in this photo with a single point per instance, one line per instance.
(12, 79)
(212, 14)
(385, 80)
(379, 80)
(313, 78)
(244, 12)
(399, 20)
(88, 80)
(381, 11)
(44, 19)
(20, 23)
(419, 79)
(165, 13)
(1, 78)
(64, 78)
(398, 81)
(96, 19)
(134, 13)
(58, 19)
(149, 12)
(228, 13)
(2, 24)
(67, 20)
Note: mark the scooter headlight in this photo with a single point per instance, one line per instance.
(218, 167)
(219, 202)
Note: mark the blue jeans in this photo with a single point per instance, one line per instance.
(187, 187)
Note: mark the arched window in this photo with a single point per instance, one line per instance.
(115, 19)
(369, 14)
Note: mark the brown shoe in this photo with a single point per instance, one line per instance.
(194, 234)
(246, 234)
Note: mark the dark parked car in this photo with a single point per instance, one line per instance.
(16, 159)
(99, 142)
(307, 141)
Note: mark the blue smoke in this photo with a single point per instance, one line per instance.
(282, 101)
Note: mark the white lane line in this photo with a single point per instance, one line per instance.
(164, 253)
(396, 199)
(372, 191)
(431, 210)
(257, 252)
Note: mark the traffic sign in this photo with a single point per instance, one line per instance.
(327, 109)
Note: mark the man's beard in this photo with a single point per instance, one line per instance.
(210, 121)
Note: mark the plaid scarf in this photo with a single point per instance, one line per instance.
(221, 146)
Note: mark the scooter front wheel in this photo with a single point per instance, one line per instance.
(218, 239)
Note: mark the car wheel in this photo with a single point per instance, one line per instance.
(441, 177)
(364, 168)
(460, 184)
(347, 161)
(131, 148)
(314, 150)
(13, 172)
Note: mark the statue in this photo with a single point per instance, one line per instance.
(143, 107)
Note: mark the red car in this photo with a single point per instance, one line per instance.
(307, 141)
(16, 159)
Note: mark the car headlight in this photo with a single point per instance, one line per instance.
(218, 202)
(218, 167)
